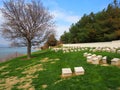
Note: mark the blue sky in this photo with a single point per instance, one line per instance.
(66, 12)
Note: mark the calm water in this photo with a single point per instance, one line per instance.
(6, 51)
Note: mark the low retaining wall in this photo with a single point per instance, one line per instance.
(112, 44)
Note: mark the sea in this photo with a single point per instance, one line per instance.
(6, 51)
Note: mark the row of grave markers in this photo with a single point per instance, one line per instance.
(106, 49)
(76, 49)
(91, 58)
(67, 72)
(96, 59)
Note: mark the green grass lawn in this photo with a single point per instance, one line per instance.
(43, 72)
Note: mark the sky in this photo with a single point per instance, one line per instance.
(66, 12)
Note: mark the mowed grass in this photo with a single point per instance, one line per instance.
(43, 72)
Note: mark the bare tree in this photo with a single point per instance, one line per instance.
(26, 23)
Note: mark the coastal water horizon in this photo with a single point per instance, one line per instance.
(12, 51)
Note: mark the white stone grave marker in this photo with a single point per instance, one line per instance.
(79, 70)
(66, 72)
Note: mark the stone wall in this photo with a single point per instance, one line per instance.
(98, 44)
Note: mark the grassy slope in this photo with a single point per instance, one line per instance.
(43, 73)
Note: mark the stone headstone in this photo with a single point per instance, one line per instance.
(94, 50)
(118, 51)
(115, 61)
(104, 60)
(99, 57)
(89, 59)
(79, 70)
(89, 54)
(94, 55)
(95, 60)
(66, 72)
(113, 50)
(85, 54)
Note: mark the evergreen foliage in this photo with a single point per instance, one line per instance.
(100, 27)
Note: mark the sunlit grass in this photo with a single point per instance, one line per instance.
(43, 71)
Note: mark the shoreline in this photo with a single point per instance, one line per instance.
(7, 53)
(10, 56)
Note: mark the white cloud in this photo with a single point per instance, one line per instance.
(64, 20)
(62, 17)
(2, 19)
(67, 17)
(60, 30)
(2, 40)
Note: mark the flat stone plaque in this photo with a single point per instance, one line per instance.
(66, 72)
(115, 61)
(79, 70)
(95, 60)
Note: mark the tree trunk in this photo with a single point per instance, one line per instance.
(29, 49)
